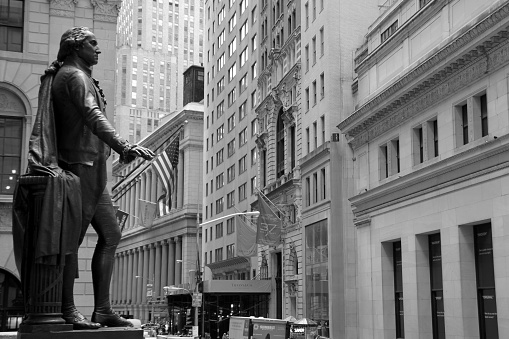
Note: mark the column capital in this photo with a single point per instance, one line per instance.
(106, 11)
(63, 8)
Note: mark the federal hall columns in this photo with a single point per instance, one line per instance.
(153, 263)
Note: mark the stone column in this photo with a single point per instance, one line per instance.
(145, 272)
(136, 281)
(124, 278)
(115, 280)
(178, 256)
(164, 264)
(171, 262)
(132, 206)
(139, 191)
(151, 265)
(130, 276)
(153, 189)
(148, 186)
(157, 270)
(139, 273)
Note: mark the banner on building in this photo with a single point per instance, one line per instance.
(246, 237)
(268, 231)
(121, 219)
(147, 213)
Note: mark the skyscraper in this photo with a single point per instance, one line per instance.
(156, 42)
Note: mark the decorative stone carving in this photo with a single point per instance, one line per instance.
(106, 11)
(9, 102)
(63, 8)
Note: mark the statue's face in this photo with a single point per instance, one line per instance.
(89, 52)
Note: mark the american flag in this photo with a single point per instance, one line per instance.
(165, 165)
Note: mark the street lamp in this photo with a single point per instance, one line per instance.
(150, 292)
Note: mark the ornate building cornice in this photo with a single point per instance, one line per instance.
(432, 81)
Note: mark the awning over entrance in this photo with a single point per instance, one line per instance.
(237, 286)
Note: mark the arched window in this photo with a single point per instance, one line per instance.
(11, 25)
(12, 110)
(11, 302)
(280, 145)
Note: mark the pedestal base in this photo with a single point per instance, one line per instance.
(103, 333)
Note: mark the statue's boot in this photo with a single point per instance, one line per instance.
(102, 269)
(69, 312)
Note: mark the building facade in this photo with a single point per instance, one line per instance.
(30, 33)
(429, 137)
(156, 42)
(305, 169)
(164, 253)
(230, 127)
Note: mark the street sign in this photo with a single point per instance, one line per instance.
(197, 297)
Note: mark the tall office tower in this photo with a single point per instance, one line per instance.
(230, 161)
(305, 83)
(156, 42)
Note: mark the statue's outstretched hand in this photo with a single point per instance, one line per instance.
(140, 151)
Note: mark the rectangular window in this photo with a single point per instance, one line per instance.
(314, 49)
(232, 96)
(437, 293)
(232, 47)
(322, 120)
(11, 27)
(243, 83)
(315, 135)
(231, 122)
(219, 157)
(485, 276)
(242, 192)
(253, 185)
(243, 137)
(308, 192)
(219, 254)
(253, 71)
(230, 226)
(308, 147)
(232, 72)
(219, 205)
(219, 181)
(322, 85)
(242, 110)
(314, 93)
(231, 148)
(220, 132)
(306, 53)
(232, 22)
(254, 156)
(324, 184)
(306, 10)
(244, 30)
(307, 99)
(243, 56)
(398, 289)
(464, 123)
(230, 173)
(242, 165)
(230, 251)
(322, 42)
(219, 230)
(11, 131)
(230, 199)
(315, 187)
(389, 31)
(483, 103)
(418, 145)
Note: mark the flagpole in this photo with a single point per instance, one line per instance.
(263, 195)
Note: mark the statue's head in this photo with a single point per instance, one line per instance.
(71, 41)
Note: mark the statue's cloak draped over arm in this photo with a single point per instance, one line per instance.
(60, 219)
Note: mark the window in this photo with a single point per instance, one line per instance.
(254, 127)
(306, 10)
(253, 185)
(243, 137)
(219, 181)
(389, 31)
(242, 165)
(314, 93)
(314, 49)
(230, 173)
(220, 85)
(398, 289)
(230, 199)
(389, 159)
(242, 110)
(220, 132)
(232, 22)
(231, 148)
(485, 277)
(314, 10)
(11, 26)
(322, 85)
(220, 39)
(308, 147)
(219, 254)
(232, 47)
(253, 99)
(232, 72)
(437, 293)
(232, 96)
(322, 42)
(219, 230)
(243, 83)
(307, 99)
(253, 71)
(230, 251)
(220, 63)
(219, 205)
(254, 156)
(280, 145)
(243, 5)
(219, 157)
(243, 56)
(242, 192)
(306, 52)
(11, 130)
(230, 226)
(253, 43)
(220, 16)
(315, 135)
(475, 110)
(231, 122)
(323, 180)
(244, 30)
(220, 109)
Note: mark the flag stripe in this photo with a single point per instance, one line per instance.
(165, 165)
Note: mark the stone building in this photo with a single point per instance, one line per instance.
(429, 139)
(30, 33)
(152, 256)
(305, 169)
